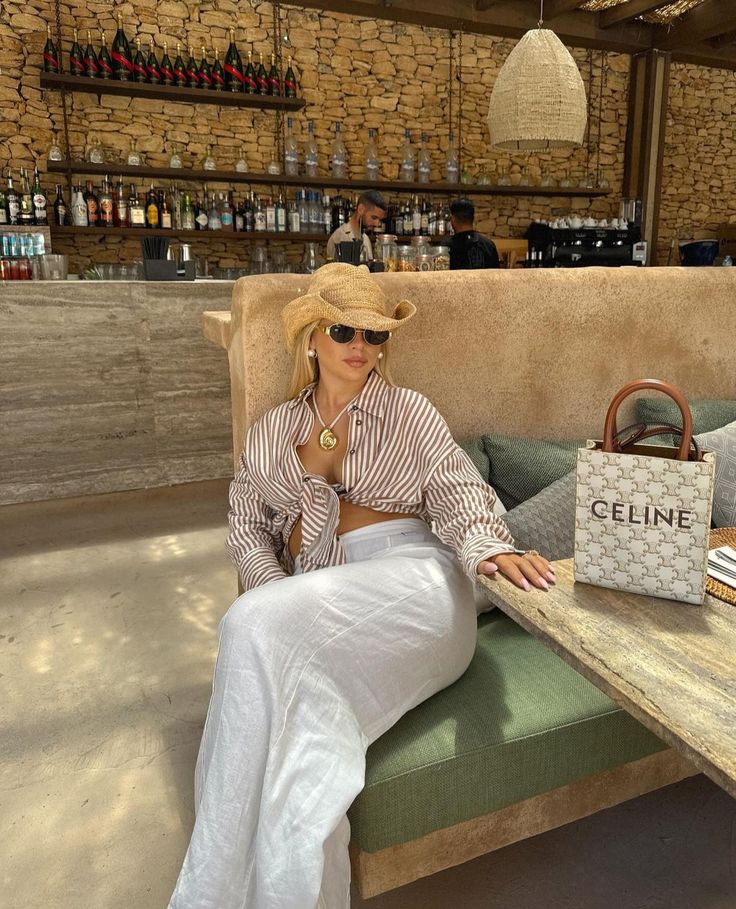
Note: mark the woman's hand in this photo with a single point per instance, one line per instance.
(527, 570)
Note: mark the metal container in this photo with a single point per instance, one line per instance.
(425, 261)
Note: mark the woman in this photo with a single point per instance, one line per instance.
(354, 610)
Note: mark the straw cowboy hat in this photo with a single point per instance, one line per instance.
(346, 294)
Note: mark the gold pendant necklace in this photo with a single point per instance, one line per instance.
(327, 438)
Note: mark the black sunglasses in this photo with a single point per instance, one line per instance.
(344, 334)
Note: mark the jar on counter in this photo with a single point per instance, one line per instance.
(386, 250)
(407, 259)
(421, 244)
(425, 261)
(441, 258)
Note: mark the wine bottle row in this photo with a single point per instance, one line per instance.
(127, 64)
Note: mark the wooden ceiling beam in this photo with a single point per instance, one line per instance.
(706, 55)
(710, 19)
(555, 8)
(504, 20)
(625, 12)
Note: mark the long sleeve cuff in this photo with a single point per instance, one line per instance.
(258, 567)
(480, 548)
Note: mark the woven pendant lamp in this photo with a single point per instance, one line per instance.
(538, 101)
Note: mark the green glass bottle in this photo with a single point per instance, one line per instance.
(167, 70)
(290, 85)
(179, 70)
(205, 73)
(122, 59)
(104, 61)
(91, 66)
(76, 57)
(218, 74)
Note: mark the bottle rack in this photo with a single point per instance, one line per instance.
(387, 186)
(66, 82)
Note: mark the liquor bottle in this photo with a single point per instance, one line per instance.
(122, 59)
(93, 210)
(291, 151)
(166, 216)
(292, 217)
(136, 209)
(214, 219)
(3, 208)
(91, 65)
(13, 203)
(179, 70)
(233, 66)
(249, 213)
(274, 80)
(372, 163)
(281, 224)
(79, 208)
(61, 212)
(40, 215)
(167, 70)
(250, 84)
(406, 171)
(200, 212)
(187, 213)
(140, 73)
(432, 221)
(120, 206)
(451, 161)
(76, 57)
(218, 73)
(239, 217)
(153, 213)
(261, 77)
(153, 67)
(424, 161)
(106, 208)
(26, 199)
(226, 212)
(51, 62)
(311, 156)
(290, 88)
(192, 70)
(424, 228)
(104, 62)
(175, 200)
(270, 212)
(208, 162)
(205, 73)
(326, 215)
(339, 156)
(259, 215)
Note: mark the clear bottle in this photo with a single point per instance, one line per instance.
(259, 215)
(167, 221)
(424, 161)
(187, 213)
(175, 160)
(338, 156)
(226, 212)
(326, 215)
(406, 170)
(241, 165)
(303, 206)
(372, 162)
(208, 162)
(214, 221)
(452, 172)
(270, 211)
(79, 208)
(311, 155)
(416, 217)
(136, 209)
(291, 151)
(292, 216)
(281, 224)
(135, 159)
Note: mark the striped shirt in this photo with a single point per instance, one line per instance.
(400, 457)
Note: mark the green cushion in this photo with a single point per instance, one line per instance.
(520, 467)
(707, 415)
(518, 723)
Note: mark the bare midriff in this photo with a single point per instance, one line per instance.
(352, 517)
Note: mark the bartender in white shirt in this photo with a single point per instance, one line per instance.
(369, 212)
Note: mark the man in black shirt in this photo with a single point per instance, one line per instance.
(468, 248)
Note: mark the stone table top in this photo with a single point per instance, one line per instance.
(669, 664)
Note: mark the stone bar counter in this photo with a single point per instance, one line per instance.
(110, 385)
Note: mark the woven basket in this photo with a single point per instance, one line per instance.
(538, 100)
(725, 536)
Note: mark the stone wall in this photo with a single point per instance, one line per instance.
(361, 72)
(699, 178)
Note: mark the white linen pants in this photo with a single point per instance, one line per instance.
(311, 670)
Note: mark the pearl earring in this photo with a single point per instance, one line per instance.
(380, 355)
(312, 354)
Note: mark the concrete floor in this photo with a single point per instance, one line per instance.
(108, 614)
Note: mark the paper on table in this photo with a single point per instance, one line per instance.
(722, 565)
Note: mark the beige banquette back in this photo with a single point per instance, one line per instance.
(534, 353)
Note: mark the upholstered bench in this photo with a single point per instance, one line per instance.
(521, 743)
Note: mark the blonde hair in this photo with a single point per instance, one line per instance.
(305, 369)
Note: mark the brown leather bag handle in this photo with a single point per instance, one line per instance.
(609, 429)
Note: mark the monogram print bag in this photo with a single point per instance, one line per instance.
(642, 516)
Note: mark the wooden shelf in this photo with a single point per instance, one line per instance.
(141, 232)
(386, 186)
(66, 82)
